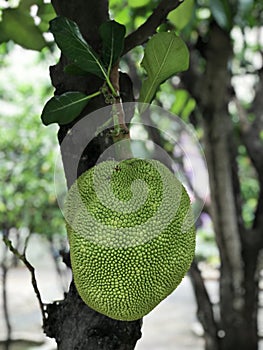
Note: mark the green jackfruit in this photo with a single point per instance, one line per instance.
(131, 236)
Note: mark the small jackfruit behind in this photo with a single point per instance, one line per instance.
(131, 236)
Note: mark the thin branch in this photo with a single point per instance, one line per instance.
(204, 307)
(243, 117)
(5, 306)
(4, 294)
(31, 269)
(258, 220)
(26, 243)
(148, 28)
(250, 134)
(56, 256)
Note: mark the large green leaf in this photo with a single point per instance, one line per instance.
(181, 16)
(112, 34)
(74, 46)
(165, 55)
(138, 3)
(19, 26)
(65, 108)
(222, 13)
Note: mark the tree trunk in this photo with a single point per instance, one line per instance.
(237, 275)
(237, 322)
(71, 322)
(251, 289)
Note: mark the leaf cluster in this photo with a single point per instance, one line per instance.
(83, 60)
(165, 55)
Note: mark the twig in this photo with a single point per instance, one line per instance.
(55, 255)
(148, 28)
(26, 243)
(250, 135)
(31, 269)
(5, 306)
(243, 118)
(258, 219)
(4, 295)
(204, 306)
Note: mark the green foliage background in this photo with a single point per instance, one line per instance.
(27, 150)
(27, 154)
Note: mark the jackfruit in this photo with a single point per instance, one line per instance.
(131, 235)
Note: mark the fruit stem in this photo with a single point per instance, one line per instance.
(121, 133)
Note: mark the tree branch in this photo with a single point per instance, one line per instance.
(250, 133)
(204, 308)
(258, 221)
(251, 136)
(31, 269)
(148, 28)
(4, 266)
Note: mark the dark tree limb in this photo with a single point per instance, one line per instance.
(75, 326)
(147, 29)
(4, 294)
(31, 269)
(205, 312)
(250, 134)
(258, 220)
(213, 94)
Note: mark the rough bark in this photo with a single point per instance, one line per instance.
(218, 133)
(77, 327)
(238, 282)
(71, 322)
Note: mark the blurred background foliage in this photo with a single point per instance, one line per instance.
(28, 150)
(27, 155)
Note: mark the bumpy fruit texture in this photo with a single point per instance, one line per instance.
(131, 236)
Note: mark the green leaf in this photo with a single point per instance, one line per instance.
(65, 108)
(19, 26)
(138, 3)
(123, 15)
(112, 35)
(165, 55)
(222, 13)
(73, 45)
(181, 16)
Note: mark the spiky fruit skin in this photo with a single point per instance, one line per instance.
(131, 242)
